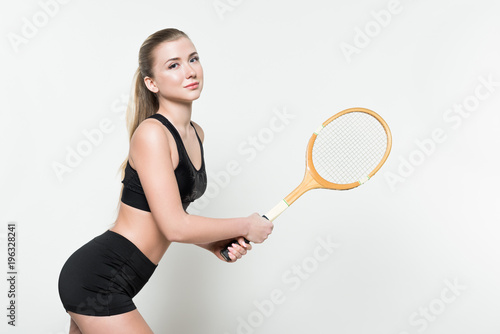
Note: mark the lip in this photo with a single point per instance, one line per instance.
(193, 85)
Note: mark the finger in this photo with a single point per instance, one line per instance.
(244, 244)
(236, 251)
(232, 257)
(248, 246)
(241, 250)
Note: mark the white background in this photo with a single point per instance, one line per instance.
(425, 221)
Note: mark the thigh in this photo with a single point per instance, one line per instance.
(73, 329)
(127, 323)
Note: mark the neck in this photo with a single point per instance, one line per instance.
(178, 113)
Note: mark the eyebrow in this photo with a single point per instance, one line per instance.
(177, 58)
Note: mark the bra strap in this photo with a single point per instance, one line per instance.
(172, 129)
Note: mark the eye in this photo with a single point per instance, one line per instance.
(173, 66)
(194, 59)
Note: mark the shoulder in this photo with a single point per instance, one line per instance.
(149, 132)
(149, 136)
(199, 130)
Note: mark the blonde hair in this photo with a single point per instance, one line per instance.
(143, 102)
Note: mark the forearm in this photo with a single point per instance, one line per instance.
(208, 246)
(203, 230)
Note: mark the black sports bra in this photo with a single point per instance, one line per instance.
(192, 183)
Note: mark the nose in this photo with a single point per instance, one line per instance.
(190, 72)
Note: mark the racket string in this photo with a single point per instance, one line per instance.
(348, 148)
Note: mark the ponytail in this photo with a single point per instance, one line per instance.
(142, 104)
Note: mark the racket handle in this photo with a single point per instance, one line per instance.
(225, 251)
(271, 215)
(277, 210)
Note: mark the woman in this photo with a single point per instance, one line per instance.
(164, 172)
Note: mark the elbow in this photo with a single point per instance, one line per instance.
(176, 231)
(174, 236)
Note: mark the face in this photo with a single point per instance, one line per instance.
(177, 72)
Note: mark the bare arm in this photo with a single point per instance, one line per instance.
(153, 162)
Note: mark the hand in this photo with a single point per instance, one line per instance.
(236, 250)
(260, 228)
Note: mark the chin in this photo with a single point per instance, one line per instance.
(184, 98)
(193, 97)
(196, 94)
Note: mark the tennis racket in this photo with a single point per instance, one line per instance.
(343, 153)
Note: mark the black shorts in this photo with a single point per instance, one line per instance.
(102, 276)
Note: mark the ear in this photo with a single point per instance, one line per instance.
(151, 84)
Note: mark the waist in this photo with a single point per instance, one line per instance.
(127, 249)
(140, 228)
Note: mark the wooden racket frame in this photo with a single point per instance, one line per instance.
(312, 180)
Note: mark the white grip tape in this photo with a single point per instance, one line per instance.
(318, 130)
(363, 180)
(277, 210)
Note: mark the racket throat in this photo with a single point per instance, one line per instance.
(308, 183)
